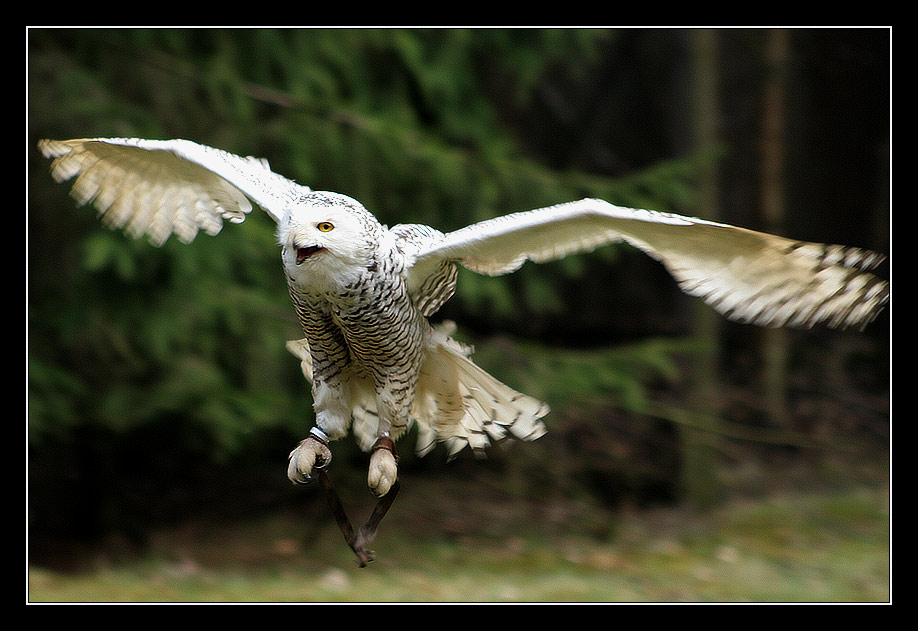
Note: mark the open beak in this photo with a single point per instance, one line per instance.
(304, 253)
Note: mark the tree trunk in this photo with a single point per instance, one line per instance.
(775, 342)
(699, 443)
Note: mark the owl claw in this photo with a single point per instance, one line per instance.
(311, 454)
(383, 466)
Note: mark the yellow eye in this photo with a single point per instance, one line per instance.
(325, 226)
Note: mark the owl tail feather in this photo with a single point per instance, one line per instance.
(456, 402)
(460, 404)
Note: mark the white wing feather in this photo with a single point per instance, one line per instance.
(162, 187)
(746, 275)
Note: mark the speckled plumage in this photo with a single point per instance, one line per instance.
(363, 292)
(375, 361)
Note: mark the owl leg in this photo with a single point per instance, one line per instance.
(332, 421)
(394, 395)
(383, 470)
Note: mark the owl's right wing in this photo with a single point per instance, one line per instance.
(161, 187)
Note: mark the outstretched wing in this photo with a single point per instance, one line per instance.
(746, 275)
(162, 187)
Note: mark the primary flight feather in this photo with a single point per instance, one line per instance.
(363, 291)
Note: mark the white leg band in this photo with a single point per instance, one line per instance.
(319, 434)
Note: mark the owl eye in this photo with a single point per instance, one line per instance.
(325, 226)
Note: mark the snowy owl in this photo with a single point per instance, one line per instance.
(363, 292)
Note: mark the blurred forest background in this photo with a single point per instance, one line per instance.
(159, 388)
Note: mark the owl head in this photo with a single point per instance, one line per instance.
(326, 237)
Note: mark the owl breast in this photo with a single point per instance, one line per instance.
(370, 323)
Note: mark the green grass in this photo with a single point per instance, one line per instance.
(802, 547)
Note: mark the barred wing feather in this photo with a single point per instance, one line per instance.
(746, 275)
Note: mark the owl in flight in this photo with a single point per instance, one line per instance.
(363, 292)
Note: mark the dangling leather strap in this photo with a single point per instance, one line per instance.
(358, 541)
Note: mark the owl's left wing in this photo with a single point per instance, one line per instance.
(746, 275)
(162, 187)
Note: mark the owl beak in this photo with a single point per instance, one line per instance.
(304, 253)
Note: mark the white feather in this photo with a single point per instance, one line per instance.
(746, 275)
(162, 187)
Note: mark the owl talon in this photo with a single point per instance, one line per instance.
(310, 455)
(383, 470)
